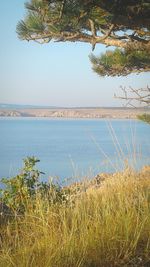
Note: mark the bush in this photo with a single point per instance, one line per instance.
(18, 191)
(144, 117)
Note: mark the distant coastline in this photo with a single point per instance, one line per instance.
(110, 113)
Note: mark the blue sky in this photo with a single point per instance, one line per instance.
(55, 74)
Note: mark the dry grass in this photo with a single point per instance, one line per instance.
(102, 227)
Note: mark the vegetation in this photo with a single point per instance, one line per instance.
(144, 117)
(122, 24)
(101, 226)
(134, 97)
(84, 225)
(121, 62)
(19, 190)
(104, 225)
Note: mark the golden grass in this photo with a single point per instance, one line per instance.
(105, 226)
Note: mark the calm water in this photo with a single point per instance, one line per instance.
(73, 148)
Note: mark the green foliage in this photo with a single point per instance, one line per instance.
(73, 16)
(144, 117)
(120, 23)
(35, 23)
(18, 191)
(22, 30)
(120, 62)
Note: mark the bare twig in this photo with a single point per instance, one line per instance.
(140, 95)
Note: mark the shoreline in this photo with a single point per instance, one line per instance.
(77, 113)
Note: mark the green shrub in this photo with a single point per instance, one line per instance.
(18, 191)
(144, 117)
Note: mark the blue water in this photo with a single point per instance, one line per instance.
(71, 147)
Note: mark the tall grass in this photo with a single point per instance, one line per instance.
(102, 226)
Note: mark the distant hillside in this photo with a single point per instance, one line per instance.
(109, 113)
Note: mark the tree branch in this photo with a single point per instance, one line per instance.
(138, 96)
(108, 32)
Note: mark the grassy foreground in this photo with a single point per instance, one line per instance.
(102, 226)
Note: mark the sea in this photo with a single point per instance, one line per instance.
(73, 149)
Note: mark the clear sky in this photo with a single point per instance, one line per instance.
(54, 74)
